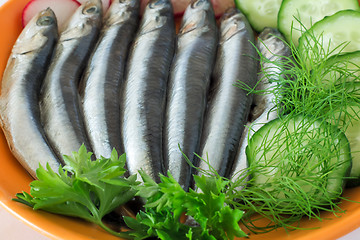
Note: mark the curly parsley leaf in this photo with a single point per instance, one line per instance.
(83, 188)
(167, 201)
(91, 189)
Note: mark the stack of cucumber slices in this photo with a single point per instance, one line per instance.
(294, 17)
(319, 133)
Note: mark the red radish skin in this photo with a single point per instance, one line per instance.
(105, 4)
(63, 10)
(179, 6)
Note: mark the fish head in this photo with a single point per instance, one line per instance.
(233, 22)
(158, 8)
(46, 18)
(160, 5)
(121, 10)
(36, 32)
(271, 38)
(198, 15)
(157, 13)
(268, 33)
(87, 16)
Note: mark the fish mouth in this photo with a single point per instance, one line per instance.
(92, 7)
(196, 16)
(47, 18)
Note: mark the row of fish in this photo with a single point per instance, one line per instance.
(138, 87)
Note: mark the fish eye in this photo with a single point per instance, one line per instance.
(45, 21)
(90, 10)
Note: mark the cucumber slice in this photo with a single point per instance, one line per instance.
(308, 12)
(260, 13)
(342, 66)
(353, 135)
(312, 155)
(350, 122)
(335, 34)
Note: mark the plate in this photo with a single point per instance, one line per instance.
(14, 179)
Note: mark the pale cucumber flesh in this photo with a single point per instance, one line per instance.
(281, 146)
(260, 13)
(329, 37)
(308, 12)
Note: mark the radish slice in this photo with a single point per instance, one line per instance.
(179, 6)
(63, 10)
(105, 4)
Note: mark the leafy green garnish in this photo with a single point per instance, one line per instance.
(83, 188)
(211, 217)
(91, 189)
(298, 171)
(314, 84)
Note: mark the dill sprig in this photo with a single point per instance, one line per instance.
(322, 87)
(302, 176)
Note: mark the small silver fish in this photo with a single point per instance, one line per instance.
(272, 47)
(60, 105)
(101, 85)
(19, 99)
(229, 106)
(145, 87)
(188, 88)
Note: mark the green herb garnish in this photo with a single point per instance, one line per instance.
(315, 85)
(167, 201)
(91, 189)
(83, 188)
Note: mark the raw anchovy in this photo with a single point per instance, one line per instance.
(229, 106)
(60, 105)
(188, 87)
(19, 100)
(104, 76)
(271, 46)
(145, 88)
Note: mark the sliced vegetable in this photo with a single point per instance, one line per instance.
(343, 68)
(260, 13)
(105, 4)
(329, 35)
(303, 154)
(63, 9)
(309, 12)
(345, 74)
(352, 132)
